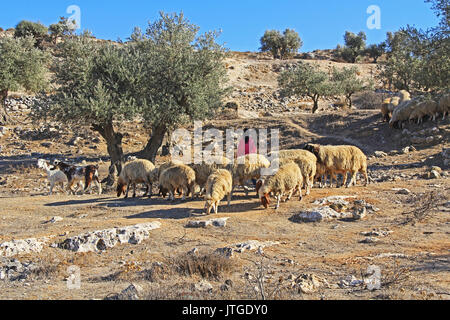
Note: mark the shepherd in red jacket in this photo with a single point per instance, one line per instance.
(246, 145)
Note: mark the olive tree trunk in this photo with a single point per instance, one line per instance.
(154, 143)
(316, 104)
(114, 145)
(4, 117)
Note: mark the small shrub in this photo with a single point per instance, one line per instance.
(210, 266)
(369, 100)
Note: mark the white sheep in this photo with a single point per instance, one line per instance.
(306, 161)
(137, 171)
(205, 169)
(286, 181)
(341, 160)
(424, 108)
(247, 167)
(444, 105)
(218, 185)
(55, 176)
(177, 177)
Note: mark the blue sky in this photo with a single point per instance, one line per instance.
(321, 24)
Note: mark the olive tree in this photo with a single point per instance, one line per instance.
(306, 80)
(375, 51)
(94, 86)
(183, 76)
(281, 45)
(31, 29)
(418, 59)
(23, 67)
(355, 44)
(347, 83)
(64, 27)
(401, 66)
(442, 11)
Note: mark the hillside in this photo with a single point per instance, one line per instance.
(315, 260)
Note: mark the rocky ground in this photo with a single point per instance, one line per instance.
(320, 248)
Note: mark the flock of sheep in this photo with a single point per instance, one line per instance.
(218, 177)
(402, 108)
(294, 170)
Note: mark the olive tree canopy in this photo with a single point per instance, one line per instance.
(23, 67)
(183, 76)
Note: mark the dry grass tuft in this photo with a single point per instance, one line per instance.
(209, 266)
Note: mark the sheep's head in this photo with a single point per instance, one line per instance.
(313, 148)
(121, 187)
(265, 200)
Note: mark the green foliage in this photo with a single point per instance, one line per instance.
(306, 80)
(291, 43)
(442, 10)
(347, 83)
(417, 59)
(93, 82)
(22, 65)
(183, 74)
(355, 44)
(281, 45)
(167, 76)
(64, 27)
(375, 51)
(271, 41)
(31, 29)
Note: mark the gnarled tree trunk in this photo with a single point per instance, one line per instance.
(155, 142)
(316, 104)
(4, 117)
(115, 151)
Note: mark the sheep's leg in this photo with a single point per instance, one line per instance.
(151, 190)
(216, 209)
(344, 175)
(192, 190)
(99, 186)
(185, 192)
(78, 185)
(353, 179)
(366, 178)
(128, 189)
(229, 199)
(51, 188)
(134, 190)
(331, 177)
(88, 190)
(310, 186)
(290, 195)
(300, 192)
(69, 188)
(278, 202)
